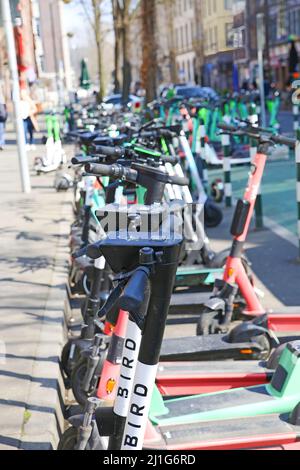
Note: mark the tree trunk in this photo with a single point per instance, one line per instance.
(98, 38)
(117, 65)
(170, 29)
(149, 66)
(117, 32)
(126, 52)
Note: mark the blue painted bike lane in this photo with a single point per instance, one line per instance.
(278, 190)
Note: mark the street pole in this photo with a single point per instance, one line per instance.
(19, 127)
(55, 55)
(261, 41)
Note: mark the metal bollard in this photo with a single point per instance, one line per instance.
(296, 117)
(296, 110)
(227, 169)
(297, 153)
(202, 132)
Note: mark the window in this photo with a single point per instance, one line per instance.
(216, 38)
(186, 35)
(229, 34)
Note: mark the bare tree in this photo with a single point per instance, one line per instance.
(92, 10)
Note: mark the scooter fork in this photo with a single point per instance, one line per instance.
(85, 430)
(99, 346)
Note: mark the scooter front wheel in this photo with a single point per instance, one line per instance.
(213, 215)
(65, 359)
(68, 440)
(77, 377)
(264, 343)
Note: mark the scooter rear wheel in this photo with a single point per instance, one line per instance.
(209, 323)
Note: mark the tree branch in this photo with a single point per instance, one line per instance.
(87, 14)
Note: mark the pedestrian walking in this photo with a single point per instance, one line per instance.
(3, 119)
(28, 112)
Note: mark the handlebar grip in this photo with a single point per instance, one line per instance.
(135, 291)
(98, 169)
(167, 133)
(115, 171)
(110, 151)
(278, 139)
(172, 160)
(148, 124)
(179, 181)
(227, 127)
(84, 160)
(148, 134)
(176, 128)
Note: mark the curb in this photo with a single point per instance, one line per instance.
(44, 421)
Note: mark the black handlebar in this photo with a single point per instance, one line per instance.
(115, 171)
(114, 152)
(227, 127)
(135, 174)
(259, 134)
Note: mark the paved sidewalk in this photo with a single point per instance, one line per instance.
(34, 256)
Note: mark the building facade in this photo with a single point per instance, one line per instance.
(217, 18)
(37, 54)
(245, 38)
(55, 59)
(284, 25)
(184, 35)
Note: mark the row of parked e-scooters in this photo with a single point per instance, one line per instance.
(140, 256)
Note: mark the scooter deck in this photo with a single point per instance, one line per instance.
(204, 348)
(194, 409)
(184, 378)
(243, 433)
(188, 303)
(196, 276)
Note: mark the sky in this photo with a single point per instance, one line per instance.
(76, 22)
(73, 19)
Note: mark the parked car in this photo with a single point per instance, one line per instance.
(115, 102)
(188, 92)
